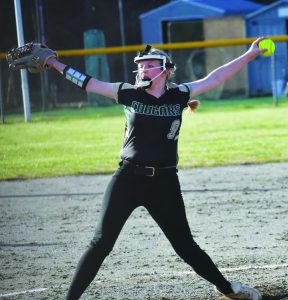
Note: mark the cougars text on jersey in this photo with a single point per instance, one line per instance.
(156, 110)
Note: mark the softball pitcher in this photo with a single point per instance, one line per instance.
(147, 173)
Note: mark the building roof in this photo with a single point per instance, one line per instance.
(231, 7)
(220, 7)
(266, 8)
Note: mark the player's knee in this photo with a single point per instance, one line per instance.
(100, 245)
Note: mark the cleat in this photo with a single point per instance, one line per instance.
(241, 291)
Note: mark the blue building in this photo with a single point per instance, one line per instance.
(154, 22)
(199, 20)
(269, 74)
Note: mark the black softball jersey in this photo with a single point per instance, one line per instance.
(152, 124)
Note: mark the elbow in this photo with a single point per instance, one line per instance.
(215, 83)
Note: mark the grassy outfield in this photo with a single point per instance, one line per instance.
(88, 140)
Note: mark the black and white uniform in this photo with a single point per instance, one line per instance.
(152, 124)
(147, 176)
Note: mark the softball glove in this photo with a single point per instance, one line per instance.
(32, 56)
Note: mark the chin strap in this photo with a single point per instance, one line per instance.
(146, 83)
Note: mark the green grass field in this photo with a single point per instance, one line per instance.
(88, 140)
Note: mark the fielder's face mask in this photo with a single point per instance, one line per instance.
(153, 54)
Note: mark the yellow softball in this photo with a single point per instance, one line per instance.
(267, 44)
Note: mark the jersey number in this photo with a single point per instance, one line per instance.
(173, 130)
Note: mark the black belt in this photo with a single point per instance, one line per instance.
(149, 170)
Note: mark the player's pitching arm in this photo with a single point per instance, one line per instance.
(223, 73)
(84, 81)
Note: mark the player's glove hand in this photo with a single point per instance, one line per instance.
(32, 56)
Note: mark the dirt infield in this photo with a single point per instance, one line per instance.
(238, 214)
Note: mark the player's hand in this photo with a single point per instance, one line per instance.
(254, 50)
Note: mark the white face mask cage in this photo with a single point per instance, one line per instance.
(152, 68)
(146, 83)
(162, 58)
(147, 54)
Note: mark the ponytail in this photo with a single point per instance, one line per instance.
(193, 105)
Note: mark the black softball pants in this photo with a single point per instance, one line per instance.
(161, 196)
